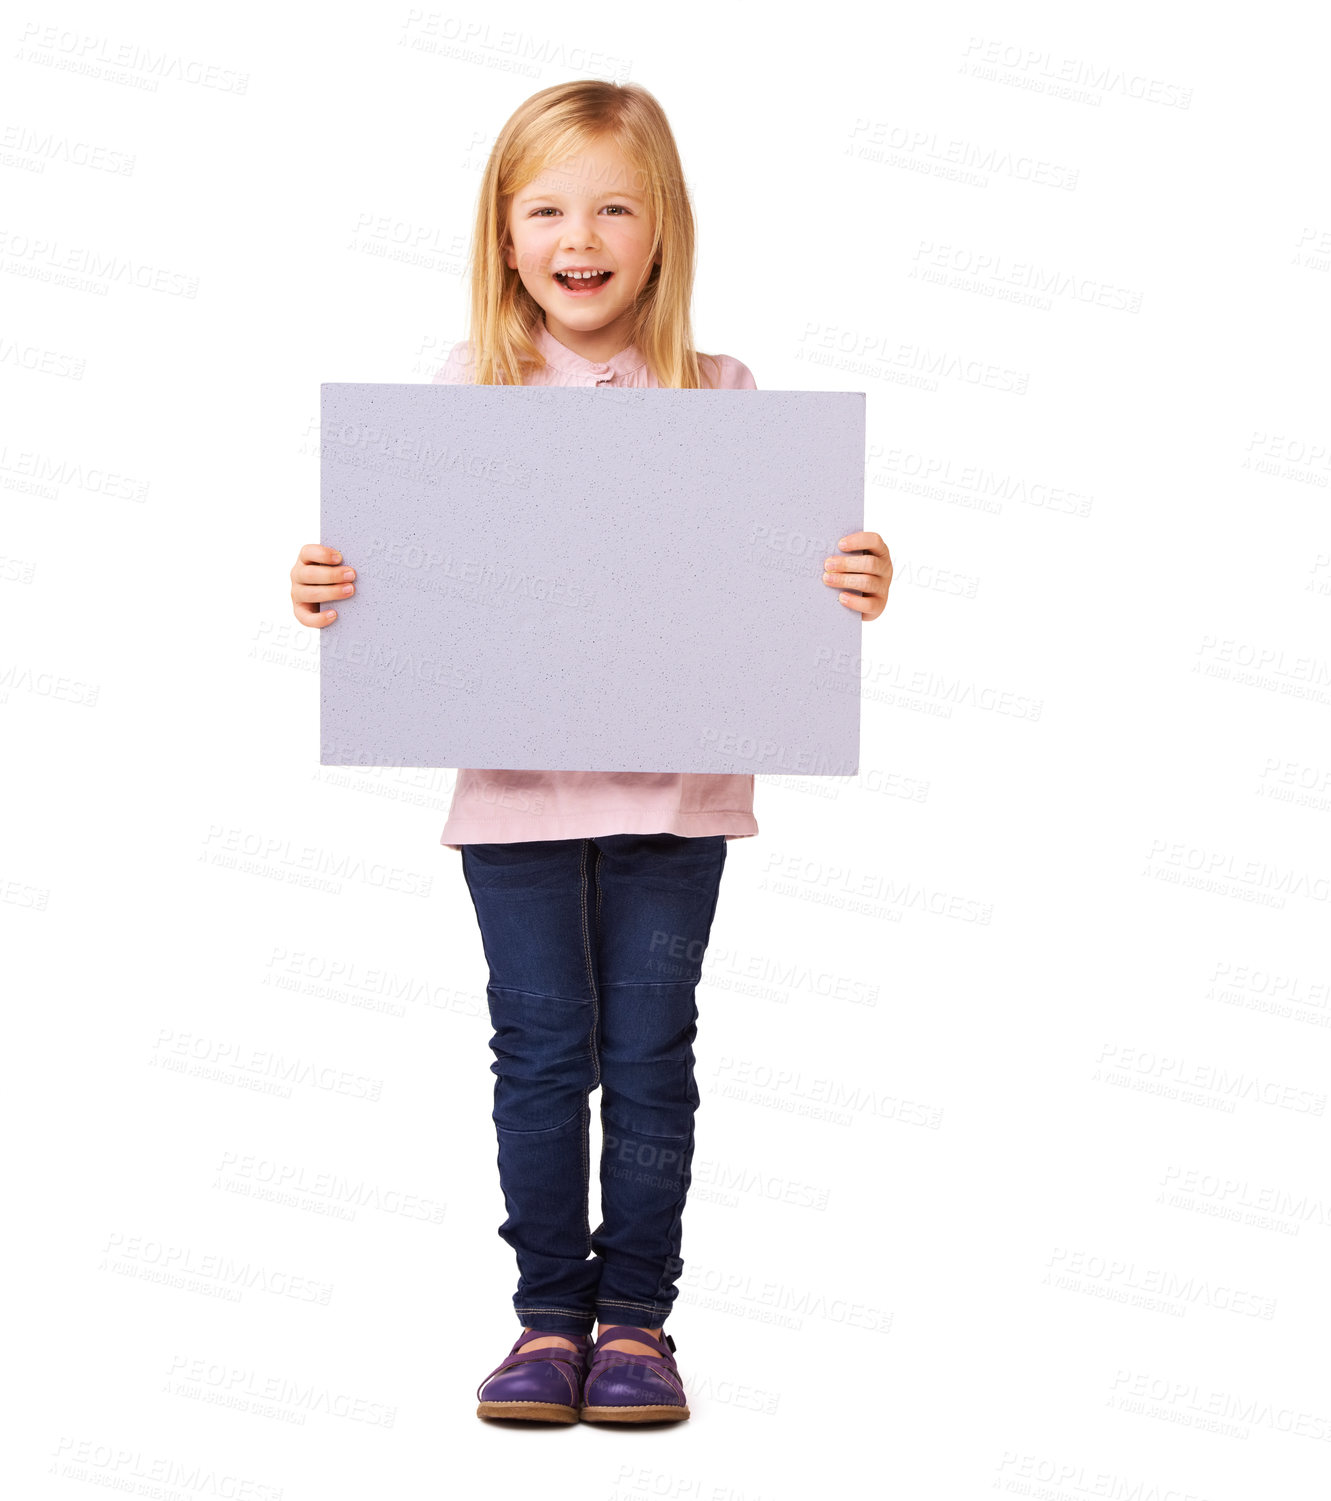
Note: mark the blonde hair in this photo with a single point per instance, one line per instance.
(546, 129)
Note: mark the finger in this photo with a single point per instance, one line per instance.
(859, 602)
(317, 552)
(308, 615)
(319, 573)
(865, 562)
(307, 593)
(862, 581)
(858, 541)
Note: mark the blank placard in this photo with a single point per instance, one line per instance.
(591, 579)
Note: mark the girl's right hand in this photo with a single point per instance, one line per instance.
(319, 574)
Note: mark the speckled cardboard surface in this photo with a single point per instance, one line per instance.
(591, 579)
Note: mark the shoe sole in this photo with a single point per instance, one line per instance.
(652, 1414)
(539, 1412)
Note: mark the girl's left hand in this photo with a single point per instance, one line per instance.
(870, 571)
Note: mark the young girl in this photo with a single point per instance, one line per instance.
(594, 891)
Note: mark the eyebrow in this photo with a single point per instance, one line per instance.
(524, 196)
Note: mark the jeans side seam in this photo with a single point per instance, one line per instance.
(595, 1059)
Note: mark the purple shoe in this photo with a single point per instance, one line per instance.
(621, 1387)
(542, 1385)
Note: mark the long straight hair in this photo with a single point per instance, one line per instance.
(553, 125)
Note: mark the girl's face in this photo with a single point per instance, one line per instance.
(587, 213)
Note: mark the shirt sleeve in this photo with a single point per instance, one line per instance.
(456, 371)
(734, 375)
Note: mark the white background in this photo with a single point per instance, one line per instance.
(1013, 1051)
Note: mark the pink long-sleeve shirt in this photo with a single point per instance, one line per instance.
(500, 807)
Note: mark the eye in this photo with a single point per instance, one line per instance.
(624, 209)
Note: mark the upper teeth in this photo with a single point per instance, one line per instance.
(581, 274)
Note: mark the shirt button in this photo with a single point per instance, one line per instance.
(601, 369)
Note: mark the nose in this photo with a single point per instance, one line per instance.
(578, 235)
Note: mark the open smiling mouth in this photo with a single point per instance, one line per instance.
(582, 286)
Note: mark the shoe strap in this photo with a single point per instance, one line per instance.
(664, 1343)
(527, 1335)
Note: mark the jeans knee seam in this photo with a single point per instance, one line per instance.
(541, 1130)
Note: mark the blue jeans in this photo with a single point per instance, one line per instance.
(595, 947)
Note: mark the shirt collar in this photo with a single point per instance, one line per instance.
(562, 358)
